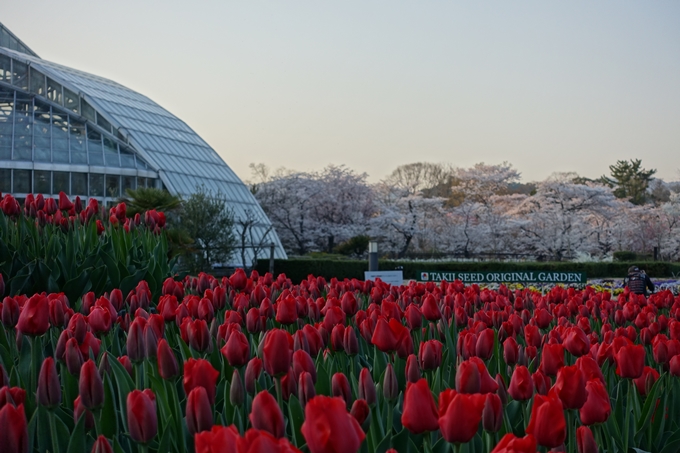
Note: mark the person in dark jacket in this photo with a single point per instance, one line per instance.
(638, 281)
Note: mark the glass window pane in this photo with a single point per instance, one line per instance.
(43, 182)
(79, 184)
(94, 147)
(101, 122)
(128, 183)
(42, 139)
(127, 159)
(5, 180)
(71, 100)
(77, 142)
(88, 111)
(22, 181)
(54, 92)
(96, 185)
(111, 153)
(60, 182)
(20, 75)
(5, 69)
(37, 82)
(23, 127)
(113, 186)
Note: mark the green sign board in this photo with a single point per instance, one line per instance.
(504, 277)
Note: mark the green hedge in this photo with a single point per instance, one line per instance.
(299, 269)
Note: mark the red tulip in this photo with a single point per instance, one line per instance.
(286, 310)
(645, 382)
(136, 349)
(328, 427)
(14, 432)
(430, 354)
(34, 317)
(236, 389)
(630, 361)
(367, 387)
(220, 439)
(49, 387)
(10, 312)
(412, 369)
(253, 370)
(547, 422)
(350, 342)
(468, 379)
(276, 352)
(200, 373)
(484, 346)
(390, 385)
(102, 445)
(521, 385)
(237, 349)
(90, 386)
(360, 411)
(198, 411)
(585, 440)
(168, 367)
(576, 342)
(141, 415)
(303, 362)
(459, 415)
(512, 444)
(510, 351)
(487, 384)
(552, 359)
(79, 410)
(420, 412)
(266, 415)
(492, 415)
(570, 387)
(340, 388)
(349, 304)
(597, 407)
(590, 368)
(674, 365)
(198, 335)
(306, 390)
(12, 395)
(430, 309)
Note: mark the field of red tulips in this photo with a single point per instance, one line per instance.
(253, 363)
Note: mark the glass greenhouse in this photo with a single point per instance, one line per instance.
(66, 130)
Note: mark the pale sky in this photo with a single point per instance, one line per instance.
(547, 86)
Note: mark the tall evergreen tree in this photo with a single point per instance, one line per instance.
(629, 180)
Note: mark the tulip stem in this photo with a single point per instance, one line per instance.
(388, 431)
(53, 432)
(629, 409)
(279, 392)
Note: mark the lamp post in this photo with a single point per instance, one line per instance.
(372, 256)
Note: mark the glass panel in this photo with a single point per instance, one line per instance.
(113, 186)
(43, 182)
(54, 92)
(101, 122)
(60, 182)
(5, 69)
(37, 82)
(141, 182)
(88, 111)
(96, 185)
(5, 180)
(111, 153)
(127, 159)
(23, 125)
(59, 137)
(6, 124)
(77, 142)
(20, 74)
(128, 183)
(71, 100)
(42, 140)
(94, 147)
(22, 181)
(78, 183)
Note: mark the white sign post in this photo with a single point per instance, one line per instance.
(395, 278)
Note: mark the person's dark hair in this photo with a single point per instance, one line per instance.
(633, 269)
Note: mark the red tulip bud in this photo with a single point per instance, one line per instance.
(236, 390)
(14, 432)
(266, 414)
(49, 387)
(340, 388)
(198, 411)
(90, 386)
(102, 445)
(390, 384)
(141, 415)
(367, 387)
(306, 390)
